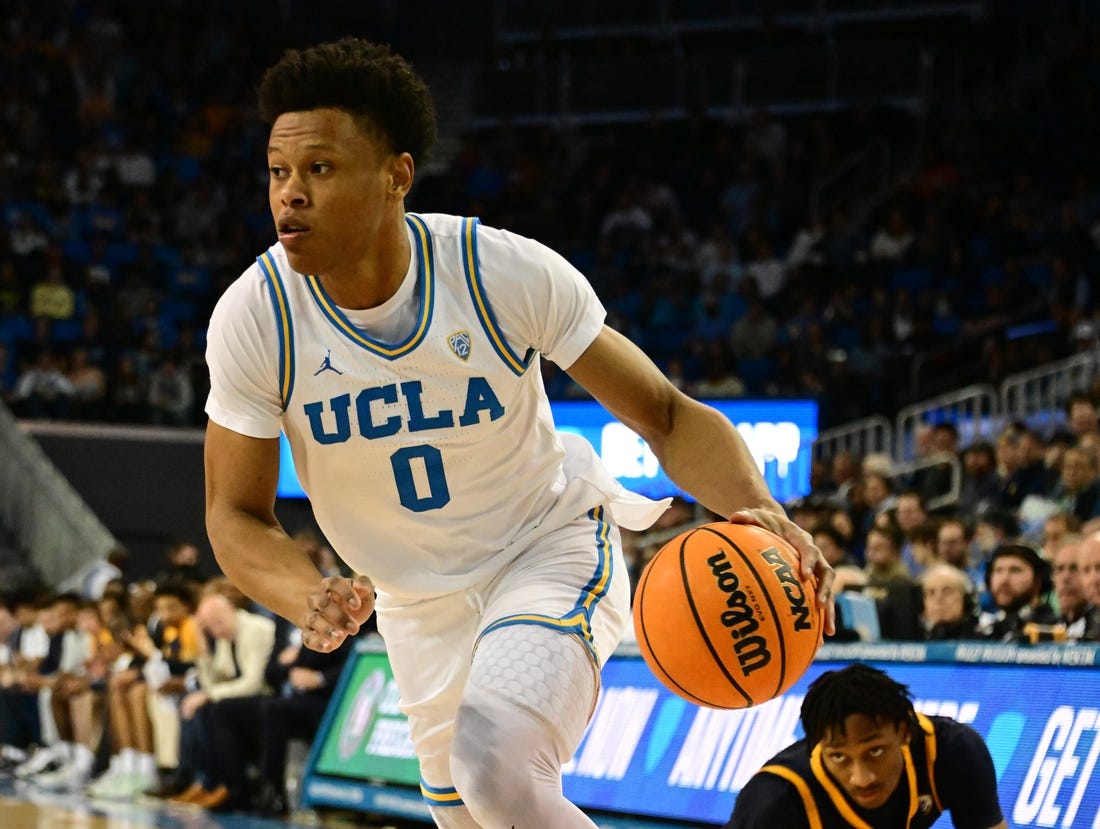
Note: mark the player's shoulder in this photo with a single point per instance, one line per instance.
(250, 293)
(954, 735)
(446, 225)
(770, 797)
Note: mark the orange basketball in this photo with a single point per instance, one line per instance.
(723, 617)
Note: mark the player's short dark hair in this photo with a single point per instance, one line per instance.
(367, 80)
(856, 689)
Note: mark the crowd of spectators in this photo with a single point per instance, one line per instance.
(175, 688)
(132, 191)
(1010, 552)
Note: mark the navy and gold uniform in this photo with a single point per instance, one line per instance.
(947, 768)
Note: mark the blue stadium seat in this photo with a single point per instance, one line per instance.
(858, 612)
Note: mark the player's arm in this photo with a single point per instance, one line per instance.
(696, 445)
(967, 779)
(767, 802)
(258, 556)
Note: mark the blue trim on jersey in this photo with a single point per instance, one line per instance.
(425, 267)
(485, 315)
(283, 323)
(440, 796)
(578, 620)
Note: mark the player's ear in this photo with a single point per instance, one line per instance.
(402, 170)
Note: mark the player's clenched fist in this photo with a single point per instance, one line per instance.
(335, 610)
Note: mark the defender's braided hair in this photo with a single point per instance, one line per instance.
(857, 689)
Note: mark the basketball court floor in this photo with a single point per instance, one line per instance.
(24, 806)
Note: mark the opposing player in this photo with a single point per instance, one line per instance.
(869, 760)
(400, 355)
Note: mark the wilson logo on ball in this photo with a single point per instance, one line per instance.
(752, 651)
(792, 587)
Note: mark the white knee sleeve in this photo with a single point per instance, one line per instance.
(528, 698)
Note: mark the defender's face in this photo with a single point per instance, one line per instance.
(330, 189)
(866, 759)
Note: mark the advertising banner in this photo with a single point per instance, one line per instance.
(649, 754)
(779, 434)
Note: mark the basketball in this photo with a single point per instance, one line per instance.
(723, 618)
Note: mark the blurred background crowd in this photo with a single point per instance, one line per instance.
(771, 204)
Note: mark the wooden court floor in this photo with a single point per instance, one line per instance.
(24, 806)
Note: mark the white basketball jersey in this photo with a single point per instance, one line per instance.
(430, 461)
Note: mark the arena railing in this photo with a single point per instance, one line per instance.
(46, 515)
(1038, 395)
(975, 411)
(860, 437)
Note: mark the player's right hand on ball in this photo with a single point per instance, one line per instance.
(335, 611)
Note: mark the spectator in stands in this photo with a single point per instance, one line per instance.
(128, 392)
(89, 384)
(909, 512)
(1081, 415)
(950, 605)
(897, 597)
(171, 395)
(255, 730)
(43, 390)
(182, 565)
(51, 297)
(1018, 580)
(893, 239)
(232, 665)
(1017, 478)
(1080, 617)
(1078, 490)
(65, 654)
(1058, 528)
(833, 545)
(943, 444)
(1088, 566)
(28, 646)
(77, 703)
(953, 543)
(844, 471)
(179, 643)
(922, 543)
(132, 768)
(91, 580)
(979, 488)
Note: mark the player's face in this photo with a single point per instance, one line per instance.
(331, 190)
(866, 760)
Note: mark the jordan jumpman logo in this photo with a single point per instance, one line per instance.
(326, 364)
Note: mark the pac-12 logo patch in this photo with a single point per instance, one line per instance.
(460, 344)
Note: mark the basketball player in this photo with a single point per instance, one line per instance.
(868, 759)
(400, 355)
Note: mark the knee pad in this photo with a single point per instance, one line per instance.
(530, 692)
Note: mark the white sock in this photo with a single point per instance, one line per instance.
(145, 765)
(83, 759)
(127, 761)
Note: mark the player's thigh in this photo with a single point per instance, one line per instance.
(429, 644)
(573, 580)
